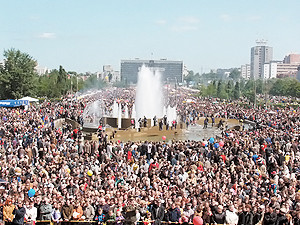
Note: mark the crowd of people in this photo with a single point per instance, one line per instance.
(242, 177)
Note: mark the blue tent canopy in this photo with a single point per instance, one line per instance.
(13, 103)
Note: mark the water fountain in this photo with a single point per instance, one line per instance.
(120, 116)
(93, 113)
(149, 95)
(171, 114)
(115, 109)
(133, 112)
(126, 114)
(149, 103)
(164, 111)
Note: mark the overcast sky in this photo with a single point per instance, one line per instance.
(84, 35)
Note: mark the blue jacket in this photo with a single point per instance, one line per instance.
(100, 218)
(174, 215)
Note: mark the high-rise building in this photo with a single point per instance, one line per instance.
(172, 71)
(245, 71)
(260, 55)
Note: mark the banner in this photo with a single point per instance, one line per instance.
(13, 103)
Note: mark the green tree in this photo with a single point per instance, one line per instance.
(17, 75)
(62, 75)
(236, 91)
(93, 83)
(219, 88)
(189, 77)
(212, 90)
(285, 87)
(48, 85)
(235, 74)
(229, 88)
(210, 76)
(259, 86)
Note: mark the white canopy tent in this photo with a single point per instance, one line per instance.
(30, 99)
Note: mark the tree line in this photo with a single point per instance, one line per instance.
(18, 78)
(234, 87)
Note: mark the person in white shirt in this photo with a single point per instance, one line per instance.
(31, 212)
(231, 217)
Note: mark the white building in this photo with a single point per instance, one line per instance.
(41, 70)
(245, 71)
(270, 70)
(278, 69)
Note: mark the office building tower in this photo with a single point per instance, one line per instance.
(260, 55)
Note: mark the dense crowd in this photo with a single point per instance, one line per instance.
(243, 177)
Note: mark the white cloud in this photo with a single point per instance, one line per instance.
(47, 35)
(189, 20)
(226, 17)
(161, 22)
(254, 18)
(189, 23)
(35, 18)
(180, 28)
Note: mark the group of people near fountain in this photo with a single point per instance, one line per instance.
(242, 177)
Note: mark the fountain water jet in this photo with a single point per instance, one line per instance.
(93, 113)
(115, 109)
(149, 95)
(120, 116)
(126, 114)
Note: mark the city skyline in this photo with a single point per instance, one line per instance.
(204, 35)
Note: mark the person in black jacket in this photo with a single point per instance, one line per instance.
(281, 218)
(19, 213)
(297, 218)
(246, 217)
(270, 216)
(257, 214)
(219, 215)
(1, 212)
(157, 211)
